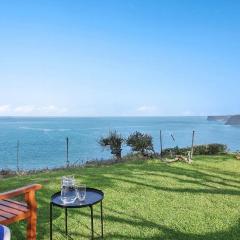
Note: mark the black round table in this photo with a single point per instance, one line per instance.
(93, 196)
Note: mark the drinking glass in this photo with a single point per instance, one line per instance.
(81, 192)
(68, 190)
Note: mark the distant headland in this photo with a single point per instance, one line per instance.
(227, 119)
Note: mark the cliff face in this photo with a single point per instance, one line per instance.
(218, 118)
(229, 120)
(233, 120)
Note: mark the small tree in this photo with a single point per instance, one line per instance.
(114, 142)
(140, 142)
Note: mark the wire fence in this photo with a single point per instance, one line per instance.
(36, 155)
(49, 153)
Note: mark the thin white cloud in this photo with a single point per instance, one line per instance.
(146, 109)
(4, 109)
(52, 109)
(31, 110)
(24, 109)
(187, 113)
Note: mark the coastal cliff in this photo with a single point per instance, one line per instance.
(227, 119)
(219, 118)
(233, 120)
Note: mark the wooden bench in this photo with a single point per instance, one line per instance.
(12, 211)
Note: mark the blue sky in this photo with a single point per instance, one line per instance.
(119, 58)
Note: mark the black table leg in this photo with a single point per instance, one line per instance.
(50, 221)
(92, 222)
(66, 222)
(101, 219)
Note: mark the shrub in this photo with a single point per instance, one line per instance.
(140, 142)
(174, 151)
(210, 149)
(207, 149)
(114, 142)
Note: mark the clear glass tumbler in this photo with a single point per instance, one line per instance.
(81, 192)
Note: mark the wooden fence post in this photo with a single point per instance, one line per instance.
(161, 149)
(67, 143)
(193, 135)
(18, 145)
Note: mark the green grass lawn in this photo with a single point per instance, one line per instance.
(147, 200)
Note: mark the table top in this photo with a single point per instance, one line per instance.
(93, 196)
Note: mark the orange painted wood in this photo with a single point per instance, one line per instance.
(12, 211)
(32, 220)
(20, 191)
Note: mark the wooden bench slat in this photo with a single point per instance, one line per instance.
(2, 219)
(10, 210)
(6, 221)
(15, 205)
(20, 203)
(6, 214)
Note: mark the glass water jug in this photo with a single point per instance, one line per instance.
(68, 191)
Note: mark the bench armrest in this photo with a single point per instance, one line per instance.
(20, 191)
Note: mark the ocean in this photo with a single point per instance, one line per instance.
(42, 141)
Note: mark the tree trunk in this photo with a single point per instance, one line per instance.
(117, 153)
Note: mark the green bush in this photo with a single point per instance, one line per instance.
(207, 149)
(210, 149)
(114, 142)
(140, 142)
(174, 151)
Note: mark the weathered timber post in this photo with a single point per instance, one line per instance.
(161, 147)
(67, 143)
(18, 145)
(193, 136)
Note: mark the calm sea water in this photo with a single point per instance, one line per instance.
(43, 144)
